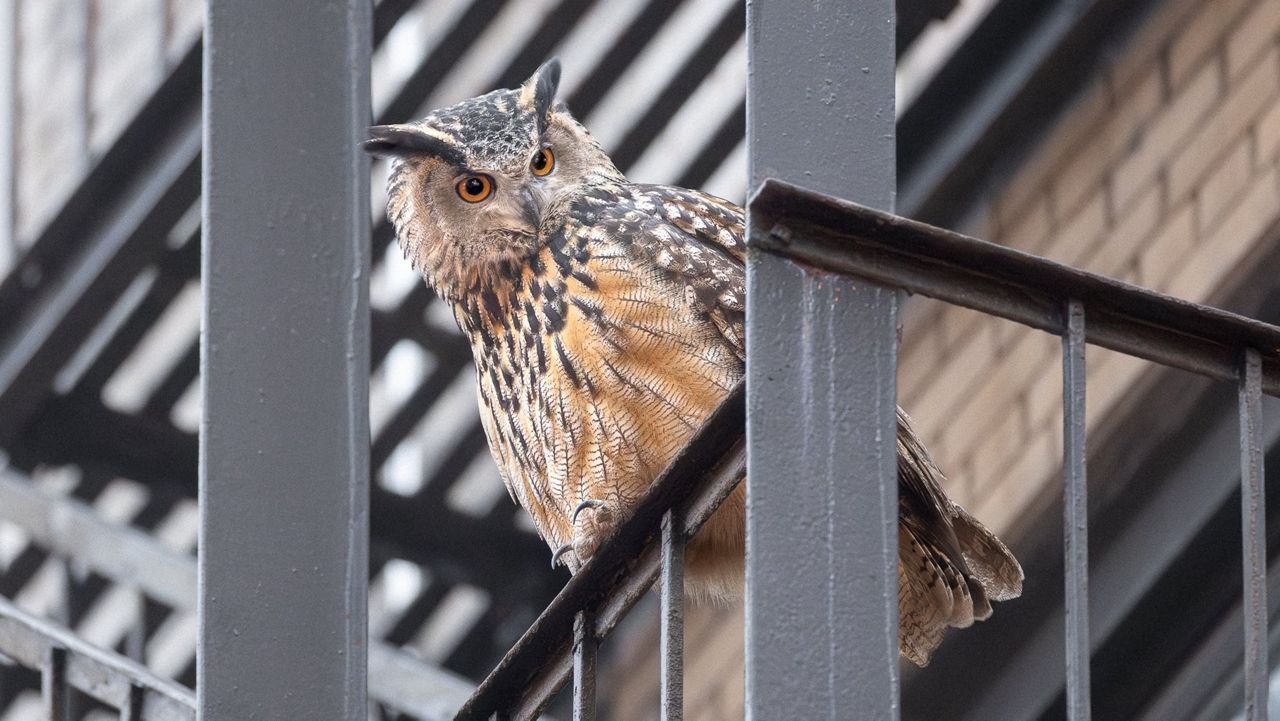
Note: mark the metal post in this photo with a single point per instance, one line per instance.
(822, 545)
(584, 667)
(1254, 527)
(54, 691)
(672, 641)
(284, 446)
(1075, 514)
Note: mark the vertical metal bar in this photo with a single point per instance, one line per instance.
(135, 641)
(584, 667)
(822, 543)
(672, 642)
(1075, 514)
(8, 133)
(284, 443)
(61, 611)
(54, 691)
(1254, 528)
(132, 708)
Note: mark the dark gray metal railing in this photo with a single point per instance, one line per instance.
(66, 662)
(828, 235)
(562, 641)
(1075, 512)
(836, 236)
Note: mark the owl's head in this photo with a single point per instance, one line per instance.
(471, 184)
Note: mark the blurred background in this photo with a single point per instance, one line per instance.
(1135, 138)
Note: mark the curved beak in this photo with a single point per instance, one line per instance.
(530, 211)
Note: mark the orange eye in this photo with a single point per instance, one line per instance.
(543, 163)
(475, 188)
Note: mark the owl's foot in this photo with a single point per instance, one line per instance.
(589, 529)
(557, 558)
(588, 532)
(589, 503)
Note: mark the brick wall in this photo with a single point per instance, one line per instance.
(1163, 172)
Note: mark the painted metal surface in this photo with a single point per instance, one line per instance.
(843, 237)
(822, 492)
(1253, 516)
(671, 642)
(1075, 521)
(284, 464)
(585, 646)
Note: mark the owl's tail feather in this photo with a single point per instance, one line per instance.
(950, 567)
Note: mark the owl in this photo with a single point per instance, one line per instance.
(606, 320)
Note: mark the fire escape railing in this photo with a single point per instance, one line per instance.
(133, 559)
(563, 638)
(66, 662)
(828, 235)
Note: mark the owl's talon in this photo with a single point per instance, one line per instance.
(589, 503)
(555, 557)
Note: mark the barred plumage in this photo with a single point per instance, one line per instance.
(607, 321)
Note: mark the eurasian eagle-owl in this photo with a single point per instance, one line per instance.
(606, 322)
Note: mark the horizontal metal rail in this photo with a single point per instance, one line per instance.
(67, 662)
(625, 566)
(843, 237)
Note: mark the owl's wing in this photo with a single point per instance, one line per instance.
(699, 239)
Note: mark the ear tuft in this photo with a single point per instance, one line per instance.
(400, 141)
(385, 141)
(539, 91)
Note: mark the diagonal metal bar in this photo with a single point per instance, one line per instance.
(102, 191)
(844, 237)
(114, 223)
(1254, 529)
(1075, 514)
(78, 301)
